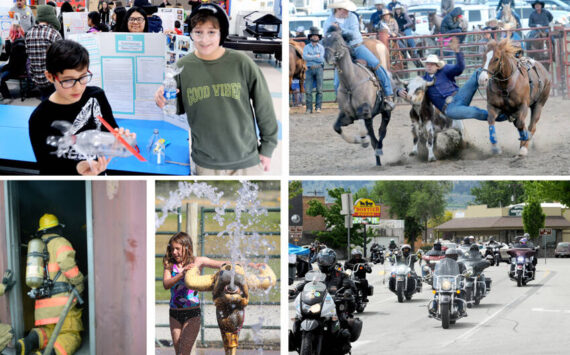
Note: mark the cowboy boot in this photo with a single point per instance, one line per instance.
(389, 104)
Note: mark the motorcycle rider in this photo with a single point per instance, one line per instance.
(335, 280)
(436, 249)
(452, 254)
(525, 243)
(409, 259)
(361, 274)
(392, 246)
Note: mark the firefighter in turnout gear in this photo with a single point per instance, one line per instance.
(61, 277)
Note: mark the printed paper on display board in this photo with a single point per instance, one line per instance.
(74, 23)
(129, 68)
(177, 47)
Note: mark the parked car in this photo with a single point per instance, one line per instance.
(306, 22)
(562, 249)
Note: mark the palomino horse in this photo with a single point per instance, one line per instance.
(358, 93)
(512, 88)
(297, 65)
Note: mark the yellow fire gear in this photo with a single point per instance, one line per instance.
(48, 310)
(2, 289)
(5, 335)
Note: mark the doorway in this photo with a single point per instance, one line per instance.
(26, 202)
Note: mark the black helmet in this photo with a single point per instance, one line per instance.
(437, 246)
(466, 240)
(315, 31)
(326, 259)
(452, 254)
(217, 12)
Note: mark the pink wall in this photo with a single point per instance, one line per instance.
(119, 228)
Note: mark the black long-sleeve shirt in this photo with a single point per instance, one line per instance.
(82, 115)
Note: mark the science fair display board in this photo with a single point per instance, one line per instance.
(130, 68)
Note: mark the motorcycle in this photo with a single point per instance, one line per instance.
(318, 318)
(361, 286)
(430, 260)
(377, 255)
(477, 286)
(392, 256)
(447, 286)
(493, 253)
(403, 282)
(522, 270)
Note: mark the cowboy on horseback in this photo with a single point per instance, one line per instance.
(539, 17)
(314, 55)
(445, 94)
(500, 6)
(343, 17)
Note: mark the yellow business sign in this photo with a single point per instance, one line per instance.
(365, 207)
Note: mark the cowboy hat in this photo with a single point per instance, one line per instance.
(343, 4)
(387, 12)
(378, 2)
(399, 6)
(432, 58)
(537, 2)
(492, 23)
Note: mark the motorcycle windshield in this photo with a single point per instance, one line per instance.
(314, 292)
(446, 267)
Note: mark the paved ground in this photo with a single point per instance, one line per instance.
(522, 320)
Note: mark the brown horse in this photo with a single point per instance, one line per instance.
(513, 86)
(297, 65)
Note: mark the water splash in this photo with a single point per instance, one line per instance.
(244, 246)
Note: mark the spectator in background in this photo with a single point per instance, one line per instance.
(104, 12)
(154, 22)
(376, 17)
(539, 17)
(38, 40)
(118, 18)
(451, 23)
(177, 26)
(314, 55)
(16, 56)
(389, 23)
(135, 20)
(65, 7)
(392, 5)
(24, 15)
(94, 23)
(405, 25)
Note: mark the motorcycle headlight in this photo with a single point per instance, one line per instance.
(446, 285)
(316, 308)
(520, 259)
(401, 269)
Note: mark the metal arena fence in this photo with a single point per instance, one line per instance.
(203, 234)
(553, 51)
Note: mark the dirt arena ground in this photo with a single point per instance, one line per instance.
(315, 149)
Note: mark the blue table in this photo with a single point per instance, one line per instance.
(15, 145)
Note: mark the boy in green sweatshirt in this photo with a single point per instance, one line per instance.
(224, 96)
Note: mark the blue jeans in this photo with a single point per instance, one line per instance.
(411, 42)
(363, 53)
(3, 86)
(314, 80)
(459, 108)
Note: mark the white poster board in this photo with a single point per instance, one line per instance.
(130, 68)
(5, 24)
(74, 23)
(169, 16)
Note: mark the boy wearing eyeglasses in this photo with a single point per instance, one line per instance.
(224, 96)
(67, 68)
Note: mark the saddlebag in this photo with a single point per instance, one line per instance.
(488, 283)
(355, 328)
(370, 290)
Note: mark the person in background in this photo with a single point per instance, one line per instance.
(16, 56)
(393, 4)
(104, 12)
(376, 17)
(314, 55)
(94, 22)
(24, 15)
(154, 22)
(38, 40)
(405, 25)
(65, 7)
(135, 20)
(177, 27)
(118, 18)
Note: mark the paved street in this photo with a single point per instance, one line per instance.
(526, 320)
